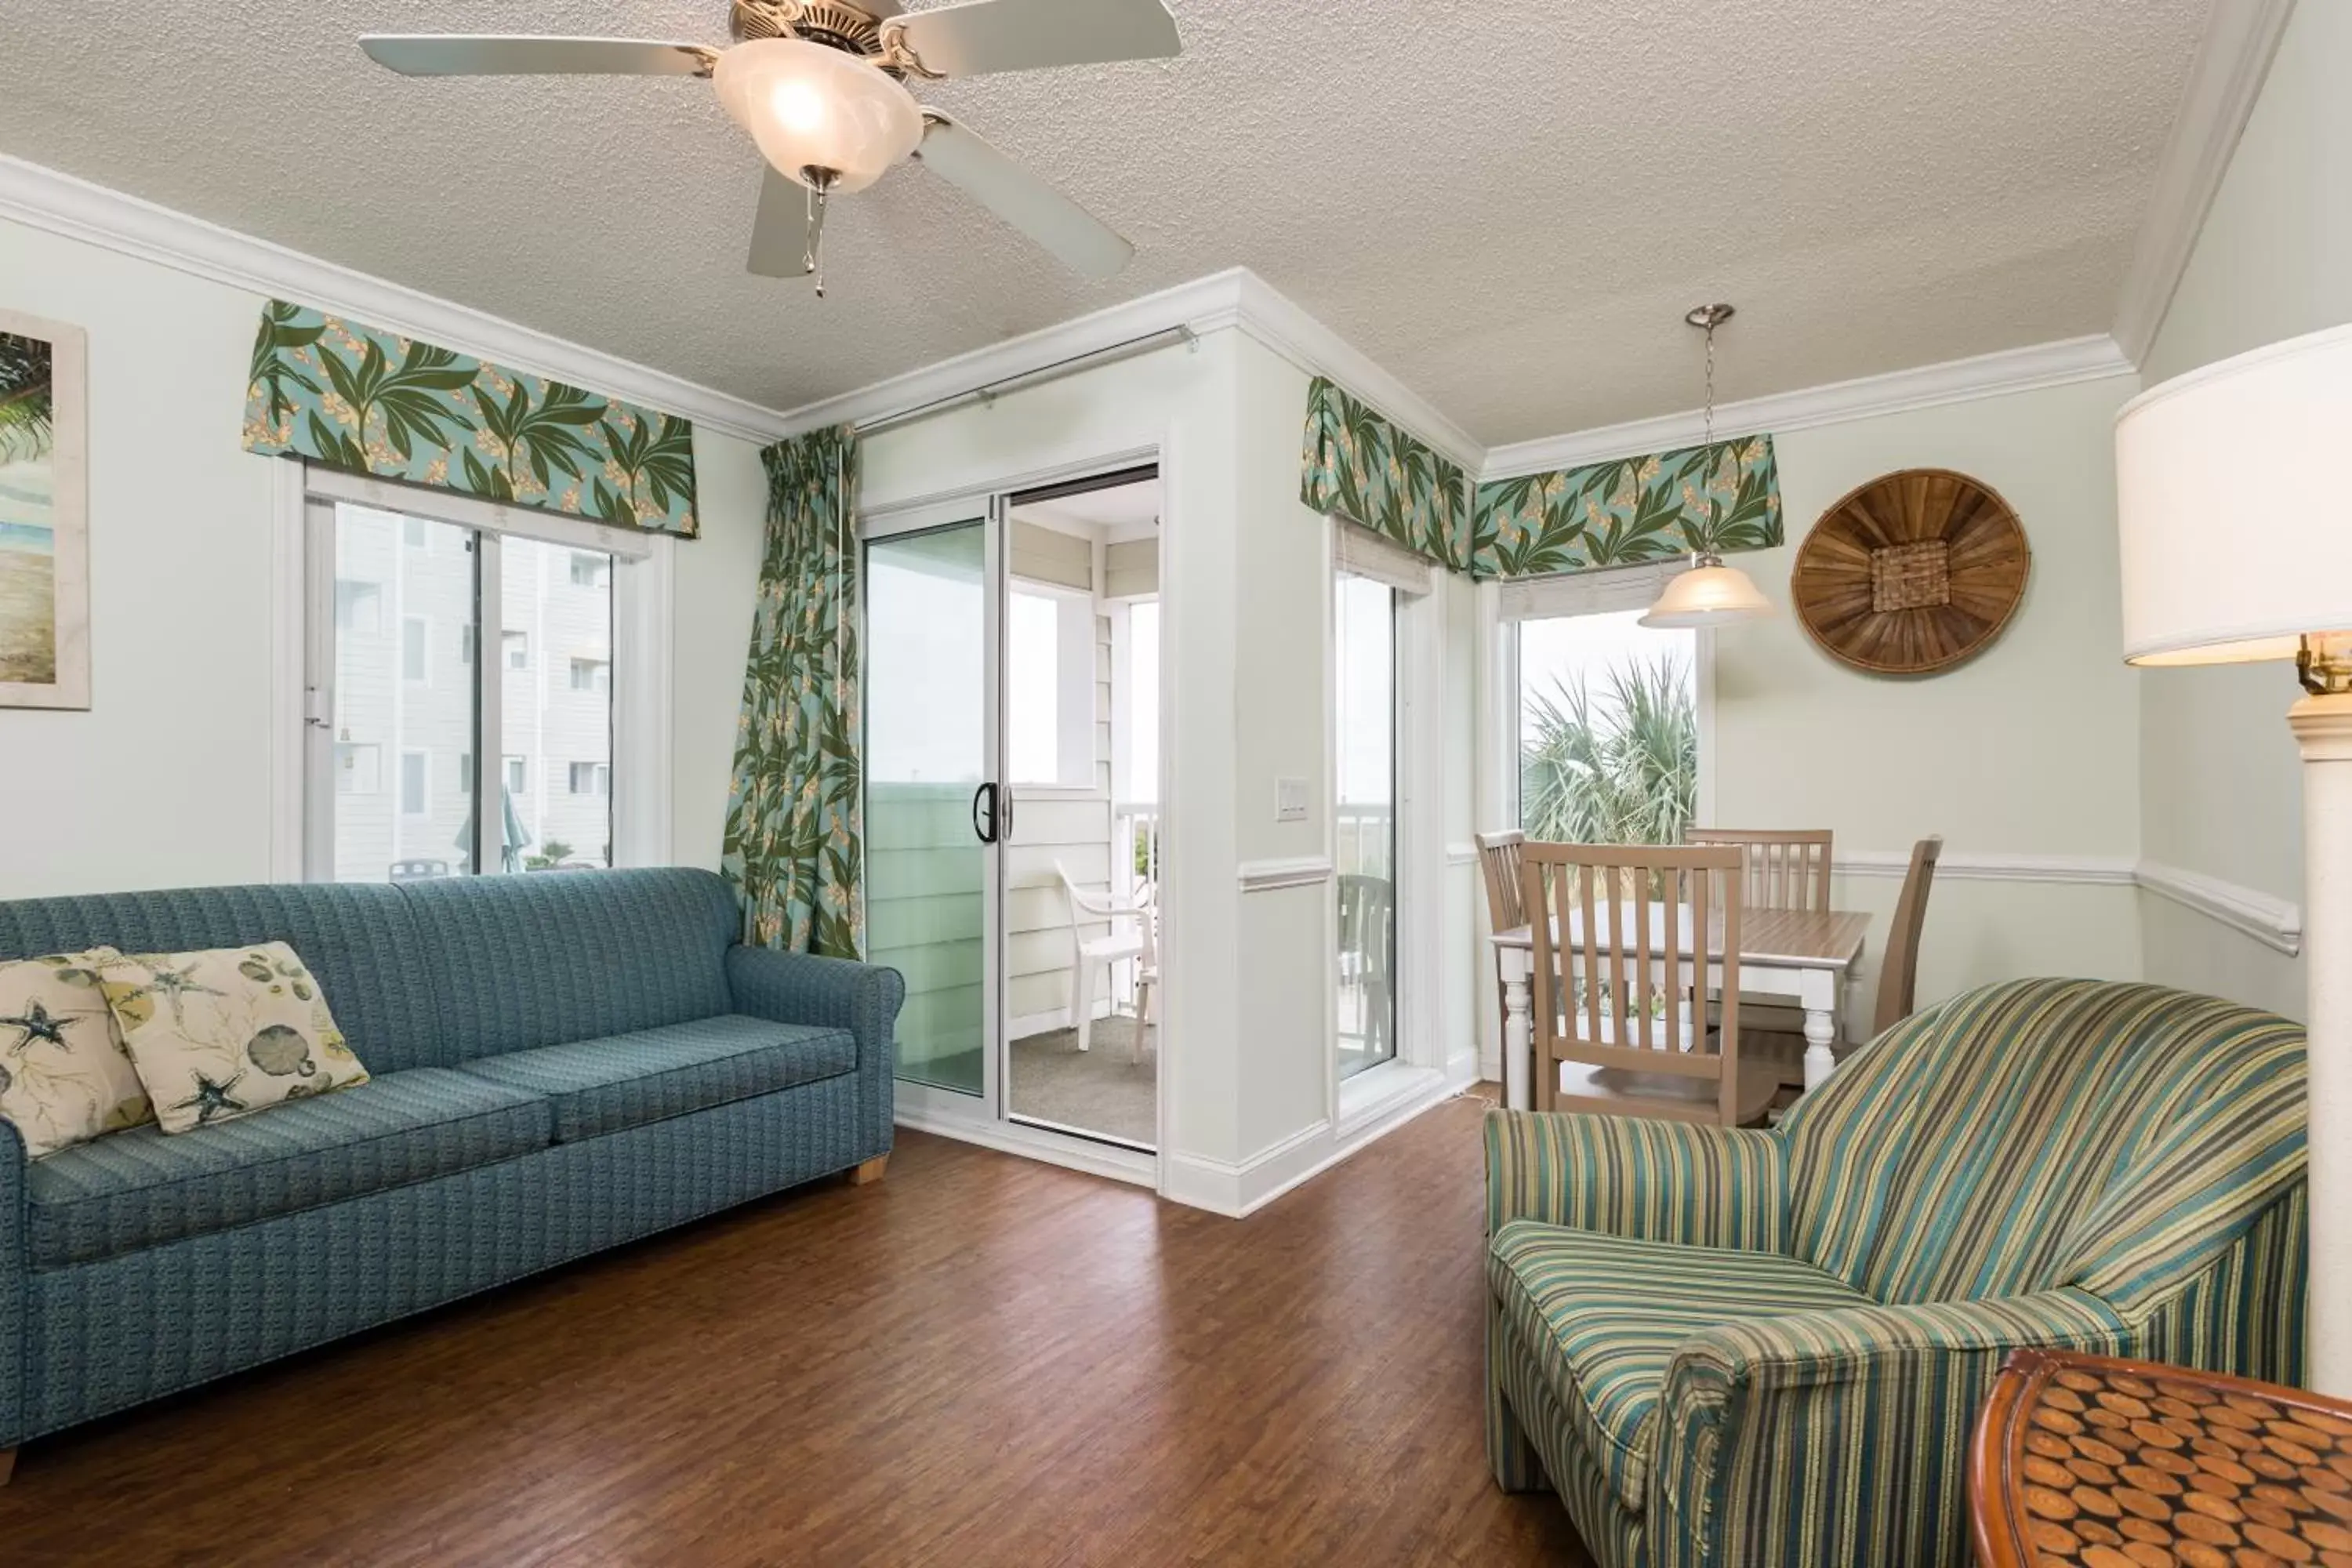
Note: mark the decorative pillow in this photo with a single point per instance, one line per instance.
(226, 1033)
(64, 1076)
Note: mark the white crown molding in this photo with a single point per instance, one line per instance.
(1269, 316)
(1927, 387)
(1298, 871)
(2272, 922)
(2093, 870)
(2232, 60)
(59, 203)
(1205, 305)
(1233, 298)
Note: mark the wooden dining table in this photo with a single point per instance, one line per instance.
(1803, 955)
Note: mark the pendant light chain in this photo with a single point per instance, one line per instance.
(1707, 438)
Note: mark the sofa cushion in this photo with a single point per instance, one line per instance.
(544, 959)
(357, 938)
(135, 1189)
(1604, 1316)
(648, 1075)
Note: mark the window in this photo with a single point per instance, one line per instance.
(1049, 688)
(412, 783)
(358, 768)
(1608, 728)
(359, 607)
(545, 724)
(415, 634)
(1364, 623)
(1142, 694)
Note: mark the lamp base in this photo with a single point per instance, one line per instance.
(2323, 730)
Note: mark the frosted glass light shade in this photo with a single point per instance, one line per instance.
(2236, 530)
(1710, 594)
(808, 106)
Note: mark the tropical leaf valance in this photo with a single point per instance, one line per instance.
(1360, 465)
(1720, 497)
(372, 401)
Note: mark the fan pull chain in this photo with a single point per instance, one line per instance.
(812, 263)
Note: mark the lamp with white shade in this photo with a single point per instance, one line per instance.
(2237, 547)
(1709, 594)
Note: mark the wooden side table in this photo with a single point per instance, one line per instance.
(2126, 1464)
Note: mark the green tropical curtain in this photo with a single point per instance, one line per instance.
(1357, 464)
(794, 844)
(372, 401)
(1719, 498)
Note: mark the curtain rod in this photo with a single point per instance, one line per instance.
(1091, 360)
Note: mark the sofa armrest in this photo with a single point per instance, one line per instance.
(14, 1352)
(837, 992)
(1650, 1181)
(1839, 1438)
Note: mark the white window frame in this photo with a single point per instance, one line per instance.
(1420, 1060)
(302, 640)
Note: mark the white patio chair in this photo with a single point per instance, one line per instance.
(1092, 957)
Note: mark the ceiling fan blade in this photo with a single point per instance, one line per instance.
(979, 35)
(456, 54)
(1075, 237)
(780, 228)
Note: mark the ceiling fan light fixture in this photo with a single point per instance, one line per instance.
(811, 106)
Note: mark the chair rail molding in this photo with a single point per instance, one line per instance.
(59, 203)
(2096, 871)
(2271, 921)
(1298, 871)
(2233, 61)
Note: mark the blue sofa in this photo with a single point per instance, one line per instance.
(560, 1064)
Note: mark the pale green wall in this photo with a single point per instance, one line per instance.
(2220, 792)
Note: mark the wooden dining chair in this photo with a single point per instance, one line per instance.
(1498, 858)
(1621, 936)
(1898, 974)
(1788, 868)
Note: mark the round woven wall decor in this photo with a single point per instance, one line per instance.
(1912, 572)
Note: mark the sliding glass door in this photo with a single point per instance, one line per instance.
(933, 812)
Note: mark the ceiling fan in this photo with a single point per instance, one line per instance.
(820, 85)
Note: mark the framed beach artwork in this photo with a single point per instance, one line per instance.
(44, 515)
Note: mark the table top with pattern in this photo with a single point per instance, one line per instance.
(2123, 1464)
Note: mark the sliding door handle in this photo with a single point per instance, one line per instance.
(1004, 793)
(983, 817)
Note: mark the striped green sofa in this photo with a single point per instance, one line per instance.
(1746, 1349)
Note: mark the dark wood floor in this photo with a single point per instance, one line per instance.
(978, 1361)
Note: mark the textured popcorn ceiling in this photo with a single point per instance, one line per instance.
(1508, 206)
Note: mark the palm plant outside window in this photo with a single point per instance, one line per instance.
(1608, 730)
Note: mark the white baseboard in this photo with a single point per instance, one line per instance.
(1239, 1189)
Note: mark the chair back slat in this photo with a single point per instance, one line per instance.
(1898, 972)
(1788, 868)
(1498, 857)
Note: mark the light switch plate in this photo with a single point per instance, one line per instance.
(1290, 800)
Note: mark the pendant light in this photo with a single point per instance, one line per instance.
(1710, 594)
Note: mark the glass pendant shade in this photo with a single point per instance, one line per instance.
(1708, 594)
(808, 106)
